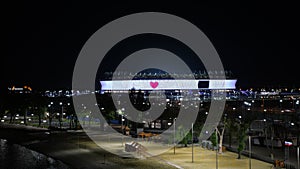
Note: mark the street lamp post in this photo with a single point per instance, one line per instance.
(84, 119)
(60, 117)
(192, 142)
(272, 138)
(50, 113)
(122, 130)
(280, 102)
(298, 162)
(287, 153)
(174, 123)
(250, 152)
(217, 166)
(121, 112)
(50, 118)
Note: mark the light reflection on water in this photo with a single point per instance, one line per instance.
(16, 156)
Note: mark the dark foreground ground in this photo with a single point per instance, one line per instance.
(76, 150)
(73, 148)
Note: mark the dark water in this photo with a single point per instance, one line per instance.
(13, 156)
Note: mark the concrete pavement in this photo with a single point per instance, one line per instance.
(78, 151)
(206, 159)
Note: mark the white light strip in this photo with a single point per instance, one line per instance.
(157, 84)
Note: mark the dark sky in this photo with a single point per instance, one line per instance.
(257, 42)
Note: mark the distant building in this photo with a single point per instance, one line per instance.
(169, 90)
(24, 89)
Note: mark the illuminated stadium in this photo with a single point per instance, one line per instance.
(154, 79)
(155, 87)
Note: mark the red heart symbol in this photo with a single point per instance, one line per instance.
(153, 84)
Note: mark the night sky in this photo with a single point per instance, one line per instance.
(257, 42)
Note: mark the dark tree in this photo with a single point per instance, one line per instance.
(242, 137)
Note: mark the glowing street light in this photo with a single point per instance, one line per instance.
(121, 112)
(61, 114)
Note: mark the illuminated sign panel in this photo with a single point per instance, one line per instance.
(167, 84)
(203, 84)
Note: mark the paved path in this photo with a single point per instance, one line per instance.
(78, 151)
(263, 153)
(75, 149)
(206, 159)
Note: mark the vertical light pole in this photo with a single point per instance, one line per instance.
(49, 105)
(288, 158)
(84, 119)
(120, 111)
(70, 117)
(298, 126)
(60, 117)
(174, 123)
(298, 157)
(272, 138)
(192, 142)
(123, 120)
(122, 131)
(252, 106)
(287, 153)
(51, 114)
(280, 101)
(217, 150)
(293, 103)
(249, 152)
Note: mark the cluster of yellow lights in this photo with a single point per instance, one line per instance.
(28, 87)
(25, 87)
